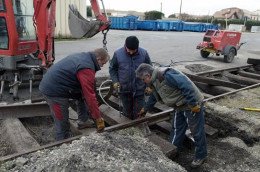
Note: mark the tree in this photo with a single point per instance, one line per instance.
(172, 16)
(153, 15)
(89, 11)
(185, 16)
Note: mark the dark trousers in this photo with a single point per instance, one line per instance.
(59, 110)
(132, 105)
(195, 121)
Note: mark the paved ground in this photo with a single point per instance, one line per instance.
(163, 47)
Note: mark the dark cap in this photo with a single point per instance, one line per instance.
(132, 42)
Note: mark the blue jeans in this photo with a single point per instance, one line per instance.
(132, 105)
(195, 121)
(59, 110)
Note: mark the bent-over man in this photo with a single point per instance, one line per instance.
(74, 78)
(176, 90)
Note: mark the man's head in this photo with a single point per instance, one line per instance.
(131, 44)
(144, 72)
(102, 56)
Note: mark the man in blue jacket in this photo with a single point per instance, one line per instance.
(174, 89)
(69, 78)
(122, 72)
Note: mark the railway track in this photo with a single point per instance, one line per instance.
(214, 84)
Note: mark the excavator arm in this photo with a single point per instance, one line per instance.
(44, 24)
(99, 16)
(80, 27)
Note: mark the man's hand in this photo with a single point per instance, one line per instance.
(195, 109)
(100, 124)
(148, 91)
(115, 85)
(142, 113)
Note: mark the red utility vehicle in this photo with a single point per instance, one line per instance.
(221, 42)
(27, 38)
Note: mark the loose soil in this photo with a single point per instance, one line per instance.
(5, 147)
(198, 67)
(41, 128)
(97, 152)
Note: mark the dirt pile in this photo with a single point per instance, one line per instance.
(97, 152)
(5, 147)
(238, 145)
(225, 114)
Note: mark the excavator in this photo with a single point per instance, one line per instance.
(27, 30)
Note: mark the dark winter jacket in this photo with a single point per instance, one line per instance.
(61, 79)
(122, 69)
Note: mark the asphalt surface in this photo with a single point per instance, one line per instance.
(164, 47)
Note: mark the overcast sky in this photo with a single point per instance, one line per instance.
(197, 7)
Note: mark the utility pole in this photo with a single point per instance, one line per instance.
(161, 7)
(180, 11)
(226, 14)
(226, 22)
(208, 18)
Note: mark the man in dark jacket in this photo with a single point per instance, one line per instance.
(122, 72)
(70, 78)
(174, 89)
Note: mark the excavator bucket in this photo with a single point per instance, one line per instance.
(79, 26)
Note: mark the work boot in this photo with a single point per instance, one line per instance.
(86, 124)
(197, 162)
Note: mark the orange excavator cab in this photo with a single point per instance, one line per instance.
(26, 41)
(27, 38)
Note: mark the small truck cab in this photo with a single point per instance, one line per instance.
(220, 42)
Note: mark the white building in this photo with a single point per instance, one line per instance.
(118, 13)
(251, 15)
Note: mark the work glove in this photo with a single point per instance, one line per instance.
(100, 124)
(115, 85)
(148, 91)
(195, 109)
(142, 113)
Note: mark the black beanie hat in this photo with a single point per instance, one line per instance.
(132, 42)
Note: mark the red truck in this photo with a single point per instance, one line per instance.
(221, 42)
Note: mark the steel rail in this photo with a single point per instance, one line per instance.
(212, 81)
(152, 118)
(22, 110)
(37, 107)
(231, 92)
(219, 71)
(56, 143)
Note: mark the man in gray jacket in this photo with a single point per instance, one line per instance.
(174, 89)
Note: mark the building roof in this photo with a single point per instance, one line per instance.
(257, 12)
(112, 12)
(230, 12)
